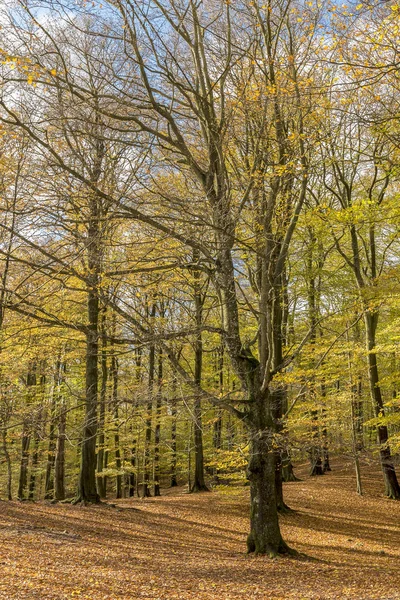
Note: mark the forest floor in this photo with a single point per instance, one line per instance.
(193, 546)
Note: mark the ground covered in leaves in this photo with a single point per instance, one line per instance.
(193, 546)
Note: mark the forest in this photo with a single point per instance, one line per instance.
(200, 290)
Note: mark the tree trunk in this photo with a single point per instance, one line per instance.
(34, 463)
(174, 412)
(355, 446)
(315, 454)
(23, 470)
(157, 431)
(87, 487)
(149, 417)
(217, 431)
(264, 536)
(199, 484)
(132, 477)
(100, 479)
(59, 465)
(287, 467)
(392, 487)
(326, 467)
(277, 401)
(8, 463)
(51, 451)
(118, 462)
(87, 490)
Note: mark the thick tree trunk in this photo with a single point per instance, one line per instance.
(264, 536)
(87, 490)
(392, 487)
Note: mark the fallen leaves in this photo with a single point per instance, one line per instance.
(184, 546)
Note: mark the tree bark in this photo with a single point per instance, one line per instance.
(23, 470)
(59, 464)
(174, 413)
(392, 488)
(8, 463)
(51, 451)
(117, 450)
(149, 417)
(264, 536)
(157, 431)
(26, 434)
(199, 484)
(101, 480)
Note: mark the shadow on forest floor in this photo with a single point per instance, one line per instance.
(193, 546)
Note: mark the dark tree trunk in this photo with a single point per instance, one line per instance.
(59, 464)
(87, 487)
(287, 468)
(23, 470)
(325, 450)
(392, 487)
(87, 490)
(324, 434)
(199, 484)
(264, 536)
(277, 404)
(315, 454)
(36, 439)
(132, 477)
(217, 430)
(174, 413)
(278, 398)
(51, 452)
(134, 459)
(157, 431)
(34, 462)
(217, 433)
(26, 435)
(118, 462)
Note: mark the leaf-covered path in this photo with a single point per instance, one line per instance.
(192, 546)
